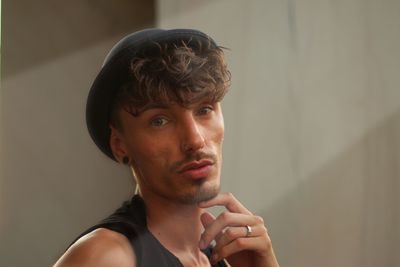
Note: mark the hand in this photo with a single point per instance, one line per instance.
(230, 233)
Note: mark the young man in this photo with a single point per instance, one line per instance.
(155, 106)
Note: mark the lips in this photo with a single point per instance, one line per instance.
(195, 165)
(197, 169)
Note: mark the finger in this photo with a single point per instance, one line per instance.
(224, 220)
(239, 244)
(233, 233)
(207, 219)
(227, 200)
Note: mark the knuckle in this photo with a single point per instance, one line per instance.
(225, 215)
(230, 233)
(229, 195)
(241, 243)
(264, 230)
(259, 219)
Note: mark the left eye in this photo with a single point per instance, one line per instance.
(204, 110)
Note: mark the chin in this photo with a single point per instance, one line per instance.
(203, 192)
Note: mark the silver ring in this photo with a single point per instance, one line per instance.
(248, 230)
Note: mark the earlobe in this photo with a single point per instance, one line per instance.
(117, 144)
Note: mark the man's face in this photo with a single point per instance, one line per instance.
(176, 150)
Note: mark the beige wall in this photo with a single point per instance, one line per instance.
(54, 183)
(313, 121)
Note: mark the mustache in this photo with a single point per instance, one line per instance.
(193, 157)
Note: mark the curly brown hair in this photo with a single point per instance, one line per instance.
(172, 73)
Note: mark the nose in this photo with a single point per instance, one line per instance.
(192, 138)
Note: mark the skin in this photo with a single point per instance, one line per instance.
(162, 140)
(159, 143)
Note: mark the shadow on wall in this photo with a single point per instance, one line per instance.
(39, 31)
(353, 201)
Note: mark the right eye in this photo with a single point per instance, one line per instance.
(158, 122)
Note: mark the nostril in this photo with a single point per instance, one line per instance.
(197, 142)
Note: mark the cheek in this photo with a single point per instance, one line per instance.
(148, 153)
(218, 131)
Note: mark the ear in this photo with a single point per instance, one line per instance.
(117, 144)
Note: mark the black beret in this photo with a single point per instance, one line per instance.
(115, 72)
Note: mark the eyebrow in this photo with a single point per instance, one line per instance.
(151, 106)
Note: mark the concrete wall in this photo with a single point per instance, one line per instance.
(54, 183)
(312, 121)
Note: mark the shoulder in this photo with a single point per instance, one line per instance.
(101, 248)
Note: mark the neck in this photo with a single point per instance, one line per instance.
(175, 225)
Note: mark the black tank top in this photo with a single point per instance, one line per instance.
(130, 220)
